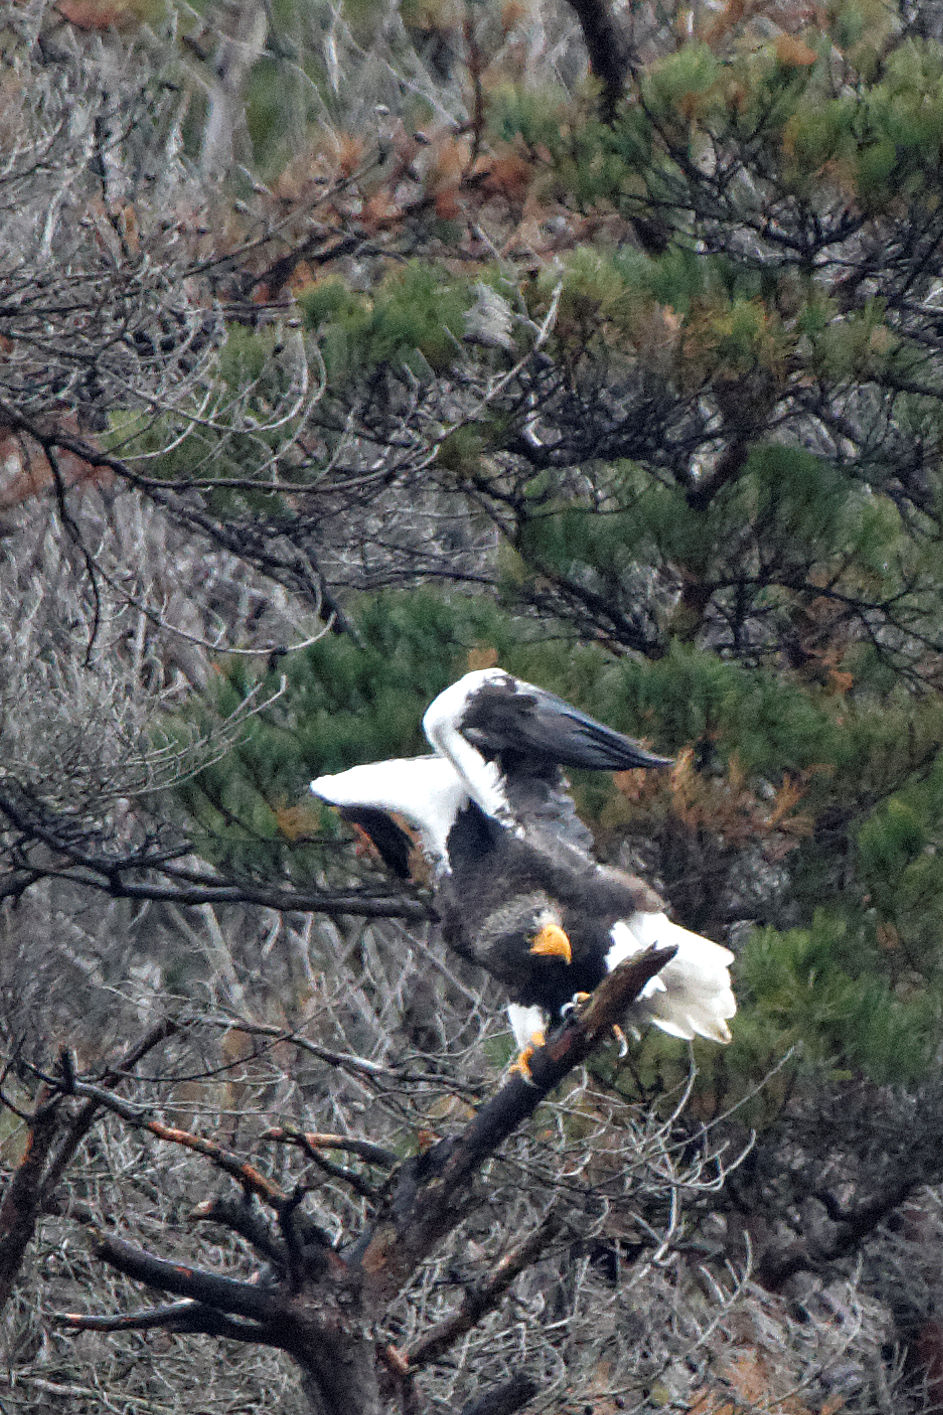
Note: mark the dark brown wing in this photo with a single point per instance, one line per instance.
(391, 842)
(511, 720)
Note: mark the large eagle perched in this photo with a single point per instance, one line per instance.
(516, 887)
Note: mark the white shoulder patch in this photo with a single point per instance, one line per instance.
(447, 710)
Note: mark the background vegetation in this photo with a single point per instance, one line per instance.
(344, 347)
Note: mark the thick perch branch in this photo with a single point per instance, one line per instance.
(224, 1294)
(430, 1195)
(566, 1048)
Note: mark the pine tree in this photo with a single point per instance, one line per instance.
(706, 462)
(693, 456)
(631, 385)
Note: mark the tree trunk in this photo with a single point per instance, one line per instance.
(339, 1371)
(244, 27)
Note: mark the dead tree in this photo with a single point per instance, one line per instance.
(319, 1300)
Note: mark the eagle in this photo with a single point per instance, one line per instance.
(517, 888)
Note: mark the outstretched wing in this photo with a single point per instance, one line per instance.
(508, 741)
(426, 792)
(508, 719)
(543, 800)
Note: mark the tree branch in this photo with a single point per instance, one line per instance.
(322, 1306)
(23, 1196)
(85, 1118)
(251, 1179)
(246, 1221)
(316, 1140)
(336, 1171)
(484, 1296)
(185, 1316)
(245, 1299)
(607, 47)
(429, 1196)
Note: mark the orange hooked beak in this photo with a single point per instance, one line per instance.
(552, 942)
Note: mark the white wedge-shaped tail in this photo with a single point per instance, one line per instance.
(692, 996)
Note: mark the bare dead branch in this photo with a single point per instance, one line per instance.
(314, 1140)
(251, 1179)
(343, 1060)
(336, 1171)
(225, 1294)
(241, 1218)
(83, 1121)
(22, 1200)
(175, 1316)
(483, 1297)
(430, 1193)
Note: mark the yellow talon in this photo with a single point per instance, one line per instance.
(621, 1038)
(575, 1001)
(522, 1064)
(552, 942)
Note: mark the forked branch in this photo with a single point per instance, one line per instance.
(323, 1302)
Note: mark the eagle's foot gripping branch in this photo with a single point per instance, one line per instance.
(578, 1000)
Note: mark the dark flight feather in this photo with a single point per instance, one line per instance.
(522, 726)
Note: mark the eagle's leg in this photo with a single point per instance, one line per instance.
(522, 1064)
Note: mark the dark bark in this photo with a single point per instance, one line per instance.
(53, 1138)
(88, 1113)
(336, 1354)
(729, 466)
(431, 1193)
(484, 1296)
(607, 46)
(22, 1199)
(503, 1399)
